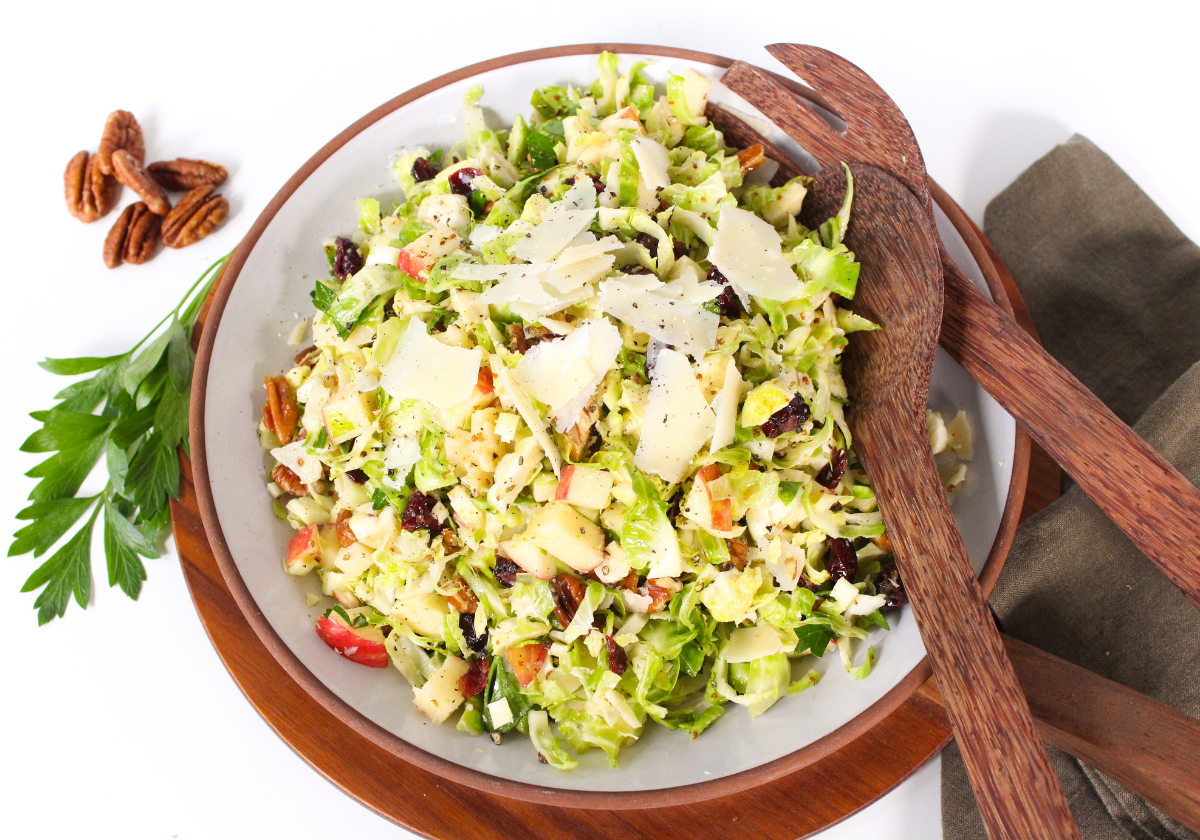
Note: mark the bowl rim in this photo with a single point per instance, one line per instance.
(559, 797)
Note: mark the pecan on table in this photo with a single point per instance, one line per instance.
(90, 193)
(280, 412)
(195, 217)
(133, 237)
(345, 533)
(130, 172)
(185, 174)
(121, 131)
(288, 480)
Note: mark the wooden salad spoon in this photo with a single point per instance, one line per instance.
(1147, 498)
(888, 371)
(1118, 731)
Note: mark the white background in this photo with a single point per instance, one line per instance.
(121, 721)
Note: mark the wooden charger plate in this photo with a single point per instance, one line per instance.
(872, 757)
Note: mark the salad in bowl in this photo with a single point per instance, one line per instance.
(569, 447)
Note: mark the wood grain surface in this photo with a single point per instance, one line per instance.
(888, 371)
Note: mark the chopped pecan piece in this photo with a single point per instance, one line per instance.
(751, 158)
(90, 193)
(516, 333)
(280, 414)
(660, 591)
(739, 552)
(129, 171)
(883, 542)
(582, 430)
(306, 356)
(183, 174)
(450, 543)
(344, 533)
(133, 237)
(463, 598)
(121, 132)
(195, 217)
(288, 480)
(568, 592)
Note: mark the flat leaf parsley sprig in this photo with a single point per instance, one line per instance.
(142, 399)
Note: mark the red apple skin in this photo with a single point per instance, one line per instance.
(484, 384)
(564, 483)
(722, 510)
(303, 547)
(409, 263)
(526, 661)
(363, 645)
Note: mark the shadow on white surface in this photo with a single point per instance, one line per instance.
(1007, 144)
(911, 811)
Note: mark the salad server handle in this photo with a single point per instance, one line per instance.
(1146, 497)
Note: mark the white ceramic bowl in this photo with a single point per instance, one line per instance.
(275, 269)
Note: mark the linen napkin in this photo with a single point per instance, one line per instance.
(1114, 289)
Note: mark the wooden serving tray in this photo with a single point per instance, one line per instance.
(868, 765)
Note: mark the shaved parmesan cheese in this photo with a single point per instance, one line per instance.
(497, 273)
(866, 604)
(564, 278)
(383, 255)
(843, 594)
(500, 713)
(749, 643)
(512, 392)
(689, 287)
(725, 407)
(422, 368)
(561, 223)
(299, 460)
(560, 373)
(678, 420)
(749, 252)
(483, 234)
(675, 322)
(580, 251)
(652, 160)
(527, 289)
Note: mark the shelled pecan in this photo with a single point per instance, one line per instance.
(129, 171)
(90, 193)
(133, 237)
(121, 131)
(288, 480)
(185, 174)
(280, 413)
(345, 534)
(195, 217)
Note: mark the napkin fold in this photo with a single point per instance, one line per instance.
(1114, 289)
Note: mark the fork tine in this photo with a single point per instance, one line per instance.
(801, 123)
(876, 128)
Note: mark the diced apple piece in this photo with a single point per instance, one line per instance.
(426, 614)
(529, 557)
(363, 645)
(329, 544)
(353, 560)
(303, 553)
(695, 91)
(484, 383)
(526, 661)
(545, 488)
(584, 487)
(562, 532)
(514, 471)
(506, 426)
(466, 512)
(440, 695)
(701, 508)
(458, 449)
(346, 415)
(421, 254)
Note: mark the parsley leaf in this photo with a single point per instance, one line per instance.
(69, 570)
(123, 542)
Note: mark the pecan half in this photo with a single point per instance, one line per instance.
(133, 237)
(89, 192)
(288, 480)
(130, 172)
(195, 217)
(281, 409)
(185, 174)
(121, 131)
(306, 356)
(345, 536)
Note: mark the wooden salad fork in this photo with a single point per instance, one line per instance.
(888, 370)
(1113, 728)
(1147, 498)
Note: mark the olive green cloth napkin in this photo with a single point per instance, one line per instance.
(1114, 288)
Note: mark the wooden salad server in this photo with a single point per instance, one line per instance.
(1145, 745)
(1136, 488)
(888, 371)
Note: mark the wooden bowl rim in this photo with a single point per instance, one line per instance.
(558, 797)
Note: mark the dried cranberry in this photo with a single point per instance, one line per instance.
(505, 571)
(460, 180)
(423, 169)
(568, 592)
(680, 249)
(466, 623)
(347, 259)
(843, 562)
(889, 585)
(418, 513)
(475, 680)
(357, 476)
(727, 302)
(831, 474)
(598, 184)
(787, 419)
(617, 660)
(650, 243)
